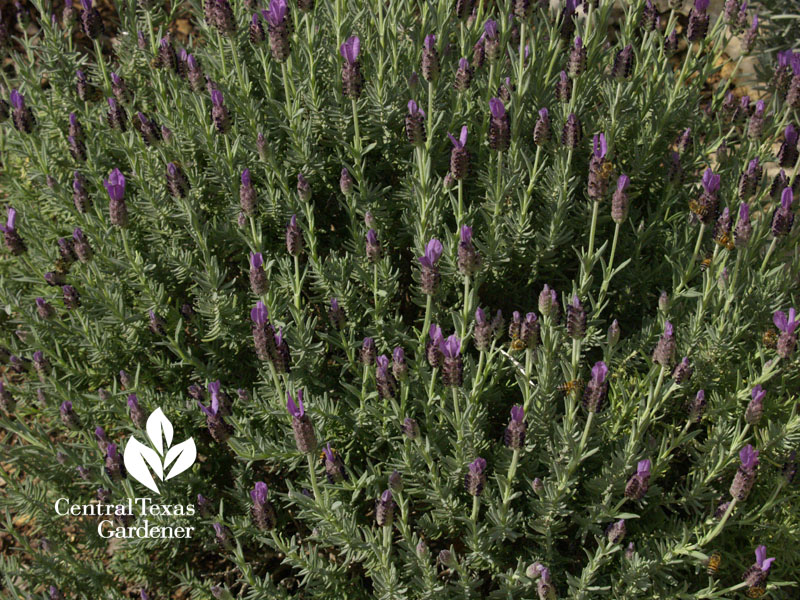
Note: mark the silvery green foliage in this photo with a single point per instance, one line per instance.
(195, 246)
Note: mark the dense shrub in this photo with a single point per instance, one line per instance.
(454, 301)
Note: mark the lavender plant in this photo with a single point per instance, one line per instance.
(552, 356)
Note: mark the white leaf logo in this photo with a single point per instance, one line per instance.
(137, 456)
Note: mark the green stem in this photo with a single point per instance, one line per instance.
(476, 506)
(312, 471)
(585, 436)
(297, 286)
(687, 272)
(467, 305)
(102, 64)
(718, 529)
(457, 415)
(770, 250)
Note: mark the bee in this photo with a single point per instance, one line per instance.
(706, 263)
(517, 344)
(713, 562)
(606, 169)
(700, 209)
(755, 592)
(725, 240)
(770, 338)
(570, 386)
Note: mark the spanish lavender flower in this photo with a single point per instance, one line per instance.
(514, 436)
(746, 473)
(697, 407)
(368, 351)
(598, 178)
(664, 352)
(789, 470)
(334, 467)
(453, 367)
(336, 314)
(77, 148)
(119, 88)
(222, 534)
(564, 87)
(148, 129)
(137, 415)
(384, 509)
(573, 132)
(430, 271)
(373, 247)
(21, 115)
(483, 331)
(515, 326)
(116, 116)
(469, 260)
(303, 429)
(459, 156)
(499, 126)
(706, 206)
(91, 21)
(263, 333)
(637, 485)
(538, 486)
(71, 297)
(346, 182)
(722, 228)
(294, 237)
(79, 194)
(544, 585)
(114, 467)
(755, 408)
(256, 32)
(567, 19)
(755, 127)
(649, 16)
(7, 402)
(194, 73)
(491, 40)
(41, 364)
(75, 127)
(177, 183)
(787, 155)
(262, 513)
(548, 302)
(749, 40)
(541, 131)
(258, 278)
(783, 217)
(671, 43)
(475, 479)
(596, 391)
(698, 21)
(576, 64)
(463, 9)
(612, 336)
(44, 309)
(219, 113)
(434, 346)
(14, 242)
(282, 359)
(203, 506)
(682, 371)
(478, 53)
(55, 593)
(387, 384)
(793, 93)
(463, 78)
(619, 201)
(576, 319)
(749, 180)
(352, 79)
(247, 194)
(786, 325)
(616, 532)
(410, 428)
(115, 186)
(756, 575)
(68, 416)
(415, 124)
(102, 439)
(217, 427)
(623, 63)
(430, 59)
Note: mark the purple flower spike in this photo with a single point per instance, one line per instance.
(292, 407)
(414, 109)
(466, 234)
(17, 100)
(599, 372)
(758, 393)
(643, 468)
(787, 197)
(623, 182)
(259, 314)
(329, 453)
(491, 29)
(430, 42)
(790, 134)
(452, 346)
(600, 146)
(259, 493)
(762, 561)
(710, 182)
(461, 141)
(216, 98)
(784, 323)
(433, 251)
(115, 185)
(749, 457)
(256, 260)
(350, 49)
(478, 466)
(497, 107)
(517, 413)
